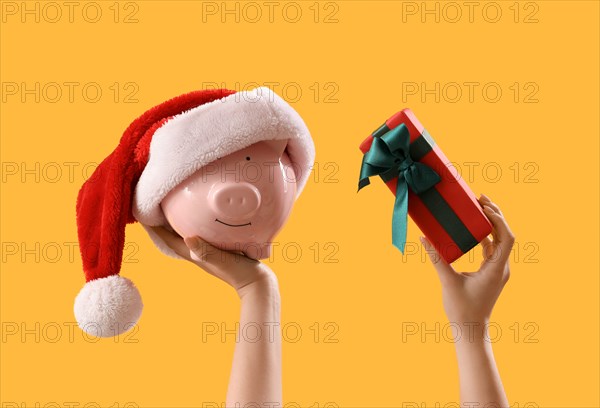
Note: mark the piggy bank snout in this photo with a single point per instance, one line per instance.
(234, 201)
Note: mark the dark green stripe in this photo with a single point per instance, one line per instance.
(383, 129)
(427, 136)
(421, 146)
(447, 218)
(437, 205)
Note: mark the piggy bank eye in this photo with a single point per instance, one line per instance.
(247, 157)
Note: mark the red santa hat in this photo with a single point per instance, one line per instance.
(158, 151)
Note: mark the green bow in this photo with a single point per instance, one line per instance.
(389, 157)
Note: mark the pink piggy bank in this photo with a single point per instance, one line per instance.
(238, 202)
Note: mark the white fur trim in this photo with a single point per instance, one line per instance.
(108, 306)
(194, 138)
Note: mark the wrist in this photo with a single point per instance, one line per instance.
(264, 284)
(470, 332)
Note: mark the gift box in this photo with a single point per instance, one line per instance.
(426, 185)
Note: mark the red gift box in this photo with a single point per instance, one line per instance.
(448, 214)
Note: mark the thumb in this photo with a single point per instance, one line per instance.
(444, 269)
(207, 254)
(200, 250)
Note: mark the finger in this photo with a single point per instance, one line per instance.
(485, 200)
(487, 247)
(503, 236)
(445, 271)
(487, 210)
(174, 241)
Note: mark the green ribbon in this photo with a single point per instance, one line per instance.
(389, 157)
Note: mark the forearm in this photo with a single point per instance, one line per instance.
(256, 369)
(480, 383)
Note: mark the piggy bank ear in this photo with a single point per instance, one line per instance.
(278, 145)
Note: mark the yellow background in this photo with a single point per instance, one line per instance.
(365, 304)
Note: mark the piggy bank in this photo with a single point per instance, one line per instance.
(238, 202)
(220, 164)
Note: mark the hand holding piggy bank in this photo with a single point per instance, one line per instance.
(238, 202)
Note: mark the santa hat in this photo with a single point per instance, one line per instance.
(158, 151)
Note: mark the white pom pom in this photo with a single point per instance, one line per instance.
(108, 306)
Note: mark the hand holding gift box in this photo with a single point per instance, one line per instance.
(442, 205)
